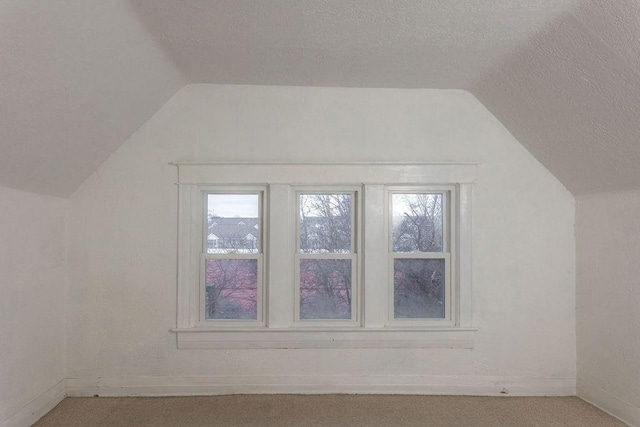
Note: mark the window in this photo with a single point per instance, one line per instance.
(289, 256)
(326, 258)
(420, 246)
(231, 267)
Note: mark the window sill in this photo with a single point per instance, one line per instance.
(462, 338)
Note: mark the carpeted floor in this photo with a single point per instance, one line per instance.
(327, 410)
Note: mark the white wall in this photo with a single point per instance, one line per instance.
(32, 304)
(123, 220)
(608, 311)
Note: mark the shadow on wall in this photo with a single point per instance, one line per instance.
(571, 97)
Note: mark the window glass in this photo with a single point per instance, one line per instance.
(231, 289)
(418, 288)
(325, 223)
(417, 221)
(233, 223)
(325, 289)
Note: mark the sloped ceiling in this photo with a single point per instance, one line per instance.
(79, 76)
(361, 43)
(571, 95)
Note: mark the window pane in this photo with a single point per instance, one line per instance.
(233, 223)
(418, 288)
(325, 223)
(325, 289)
(231, 289)
(417, 222)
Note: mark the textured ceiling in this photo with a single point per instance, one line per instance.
(77, 77)
(361, 43)
(572, 96)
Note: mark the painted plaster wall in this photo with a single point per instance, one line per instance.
(32, 297)
(608, 302)
(123, 237)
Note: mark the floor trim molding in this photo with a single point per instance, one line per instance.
(624, 411)
(38, 407)
(316, 384)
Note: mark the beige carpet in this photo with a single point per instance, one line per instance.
(327, 410)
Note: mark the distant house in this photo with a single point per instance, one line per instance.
(232, 234)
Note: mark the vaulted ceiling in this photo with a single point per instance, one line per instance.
(78, 77)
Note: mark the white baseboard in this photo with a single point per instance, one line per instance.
(35, 409)
(625, 411)
(315, 384)
(294, 384)
(308, 384)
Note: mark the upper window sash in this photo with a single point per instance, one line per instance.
(396, 193)
(306, 195)
(241, 221)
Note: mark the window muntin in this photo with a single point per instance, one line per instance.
(232, 257)
(420, 244)
(326, 260)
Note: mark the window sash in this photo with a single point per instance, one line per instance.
(449, 291)
(355, 209)
(260, 320)
(260, 303)
(230, 190)
(355, 293)
(445, 192)
(449, 214)
(354, 256)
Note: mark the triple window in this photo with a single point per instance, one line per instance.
(328, 284)
(324, 255)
